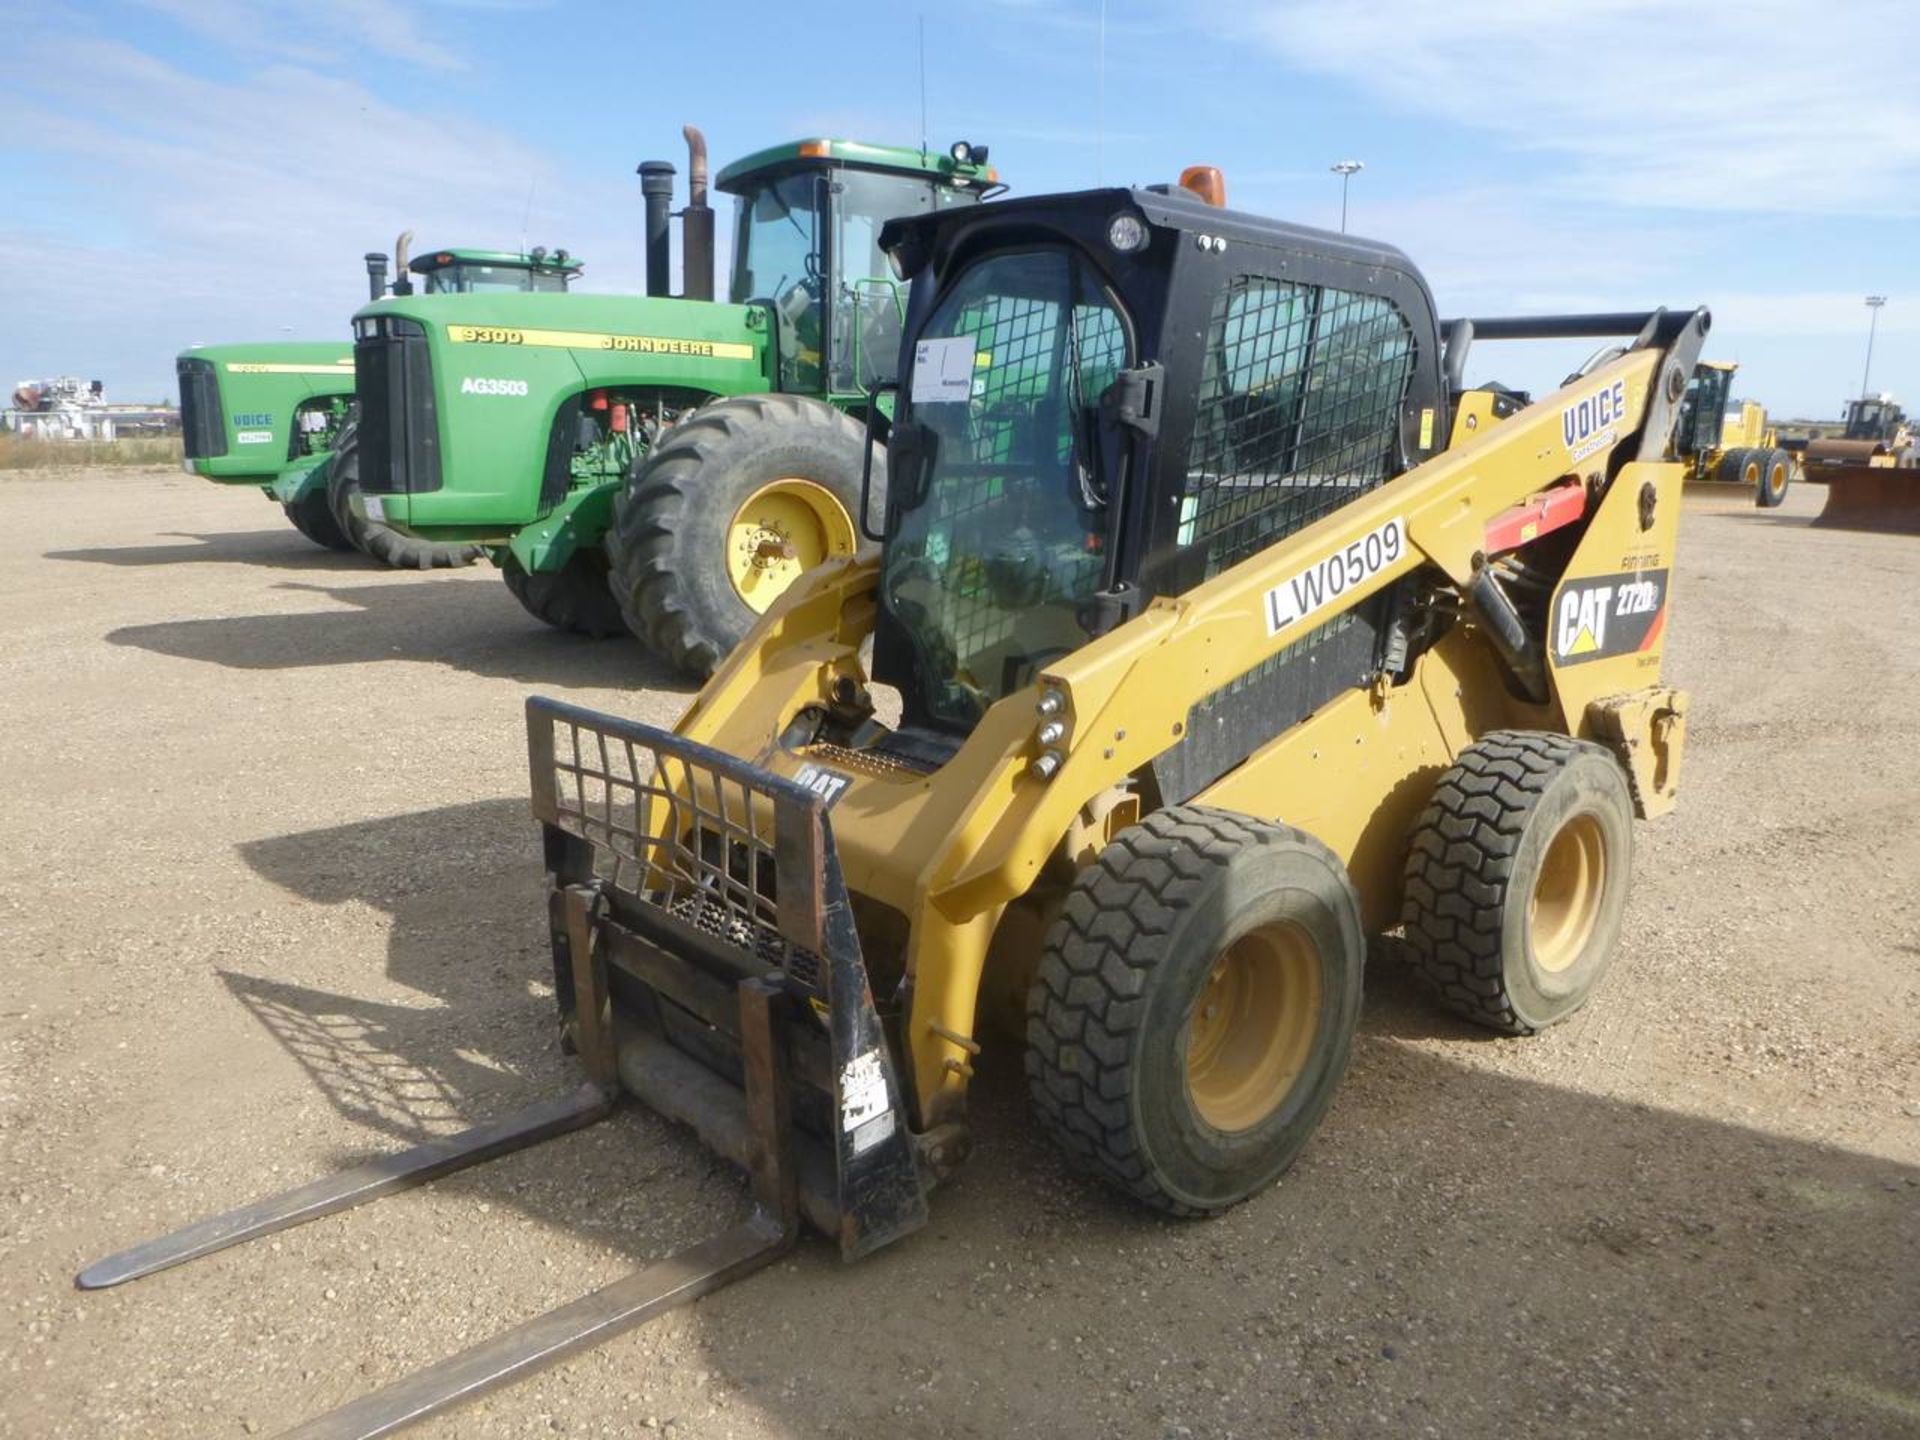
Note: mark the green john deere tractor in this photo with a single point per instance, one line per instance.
(271, 415)
(645, 463)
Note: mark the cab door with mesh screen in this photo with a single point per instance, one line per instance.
(997, 485)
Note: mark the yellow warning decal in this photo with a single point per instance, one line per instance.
(249, 367)
(1583, 643)
(1426, 429)
(592, 340)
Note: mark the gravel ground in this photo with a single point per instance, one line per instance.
(271, 904)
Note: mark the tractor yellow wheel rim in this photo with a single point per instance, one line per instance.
(786, 527)
(1750, 473)
(1565, 904)
(1253, 1026)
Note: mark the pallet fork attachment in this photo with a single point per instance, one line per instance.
(631, 851)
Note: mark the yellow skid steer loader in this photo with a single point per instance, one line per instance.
(1212, 628)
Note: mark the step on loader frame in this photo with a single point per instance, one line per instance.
(697, 905)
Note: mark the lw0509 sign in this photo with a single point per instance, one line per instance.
(1331, 576)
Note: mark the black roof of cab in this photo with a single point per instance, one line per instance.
(1084, 214)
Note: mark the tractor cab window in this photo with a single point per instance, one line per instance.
(998, 489)
(776, 258)
(471, 279)
(868, 304)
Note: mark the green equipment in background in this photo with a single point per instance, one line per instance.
(653, 464)
(273, 414)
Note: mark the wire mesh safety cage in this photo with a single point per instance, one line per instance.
(1298, 412)
(695, 834)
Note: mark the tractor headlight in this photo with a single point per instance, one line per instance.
(897, 262)
(1126, 232)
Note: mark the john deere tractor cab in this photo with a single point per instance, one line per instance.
(1727, 442)
(479, 272)
(1221, 647)
(654, 464)
(270, 415)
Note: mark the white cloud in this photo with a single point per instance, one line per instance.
(198, 210)
(313, 34)
(1778, 105)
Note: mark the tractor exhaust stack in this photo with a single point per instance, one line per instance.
(402, 245)
(696, 222)
(656, 192)
(376, 274)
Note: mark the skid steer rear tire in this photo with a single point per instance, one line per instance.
(1194, 1007)
(313, 518)
(371, 537)
(574, 598)
(679, 520)
(1517, 878)
(1776, 475)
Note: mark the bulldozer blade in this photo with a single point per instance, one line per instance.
(1872, 497)
(585, 1322)
(342, 1191)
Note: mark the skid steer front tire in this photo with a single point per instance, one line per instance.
(1517, 878)
(1194, 1007)
(574, 598)
(1776, 476)
(371, 537)
(313, 518)
(726, 510)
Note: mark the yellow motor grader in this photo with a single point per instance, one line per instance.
(1212, 628)
(1727, 444)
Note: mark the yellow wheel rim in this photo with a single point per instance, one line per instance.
(1253, 1026)
(1750, 473)
(1565, 904)
(785, 528)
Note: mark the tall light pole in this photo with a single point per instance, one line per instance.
(1874, 302)
(1346, 170)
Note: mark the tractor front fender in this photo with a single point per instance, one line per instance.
(578, 522)
(300, 480)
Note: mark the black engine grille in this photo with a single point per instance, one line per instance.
(399, 421)
(203, 424)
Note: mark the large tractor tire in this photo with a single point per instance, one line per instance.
(574, 598)
(384, 543)
(1742, 467)
(1775, 476)
(313, 518)
(730, 507)
(1194, 1007)
(1517, 879)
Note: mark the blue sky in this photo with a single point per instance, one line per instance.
(186, 171)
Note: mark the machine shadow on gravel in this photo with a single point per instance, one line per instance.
(279, 549)
(1458, 1247)
(443, 621)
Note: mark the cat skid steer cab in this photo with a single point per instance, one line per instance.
(1213, 627)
